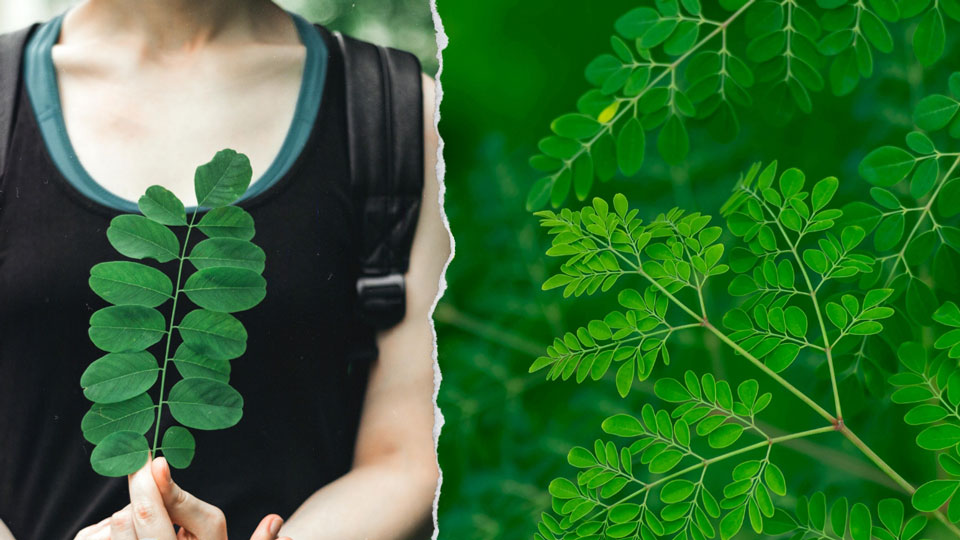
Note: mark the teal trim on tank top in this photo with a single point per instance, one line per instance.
(40, 78)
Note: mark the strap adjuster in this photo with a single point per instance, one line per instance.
(382, 299)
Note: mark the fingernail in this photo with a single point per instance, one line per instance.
(275, 526)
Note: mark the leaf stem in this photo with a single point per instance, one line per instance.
(166, 353)
(924, 212)
(813, 299)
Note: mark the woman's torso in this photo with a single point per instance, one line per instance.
(302, 377)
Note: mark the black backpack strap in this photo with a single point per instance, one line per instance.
(11, 52)
(385, 129)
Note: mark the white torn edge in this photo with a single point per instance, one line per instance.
(442, 41)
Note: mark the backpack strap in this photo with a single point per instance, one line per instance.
(385, 135)
(11, 53)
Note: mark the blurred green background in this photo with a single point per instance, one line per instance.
(510, 68)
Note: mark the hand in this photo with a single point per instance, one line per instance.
(157, 504)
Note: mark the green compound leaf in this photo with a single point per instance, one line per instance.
(119, 376)
(120, 454)
(219, 336)
(130, 283)
(192, 364)
(223, 179)
(225, 289)
(178, 447)
(140, 238)
(227, 222)
(162, 206)
(135, 414)
(126, 328)
(228, 279)
(205, 404)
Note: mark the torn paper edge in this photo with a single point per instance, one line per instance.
(441, 38)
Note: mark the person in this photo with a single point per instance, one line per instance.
(337, 432)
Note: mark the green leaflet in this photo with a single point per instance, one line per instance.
(130, 283)
(205, 404)
(227, 279)
(178, 447)
(840, 520)
(120, 454)
(119, 376)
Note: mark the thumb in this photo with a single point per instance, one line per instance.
(269, 528)
(150, 519)
(200, 518)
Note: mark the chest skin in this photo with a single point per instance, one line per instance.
(137, 118)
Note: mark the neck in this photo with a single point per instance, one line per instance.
(172, 25)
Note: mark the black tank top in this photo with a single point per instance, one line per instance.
(302, 377)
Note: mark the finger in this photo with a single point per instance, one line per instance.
(150, 519)
(268, 529)
(121, 525)
(200, 518)
(98, 531)
(87, 533)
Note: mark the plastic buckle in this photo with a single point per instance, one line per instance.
(382, 298)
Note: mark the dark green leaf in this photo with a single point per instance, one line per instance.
(119, 376)
(219, 336)
(205, 404)
(223, 179)
(178, 447)
(126, 328)
(130, 283)
(162, 206)
(138, 238)
(225, 289)
(120, 454)
(135, 414)
(227, 222)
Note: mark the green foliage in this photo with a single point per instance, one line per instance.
(610, 499)
(813, 518)
(673, 63)
(793, 265)
(228, 279)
